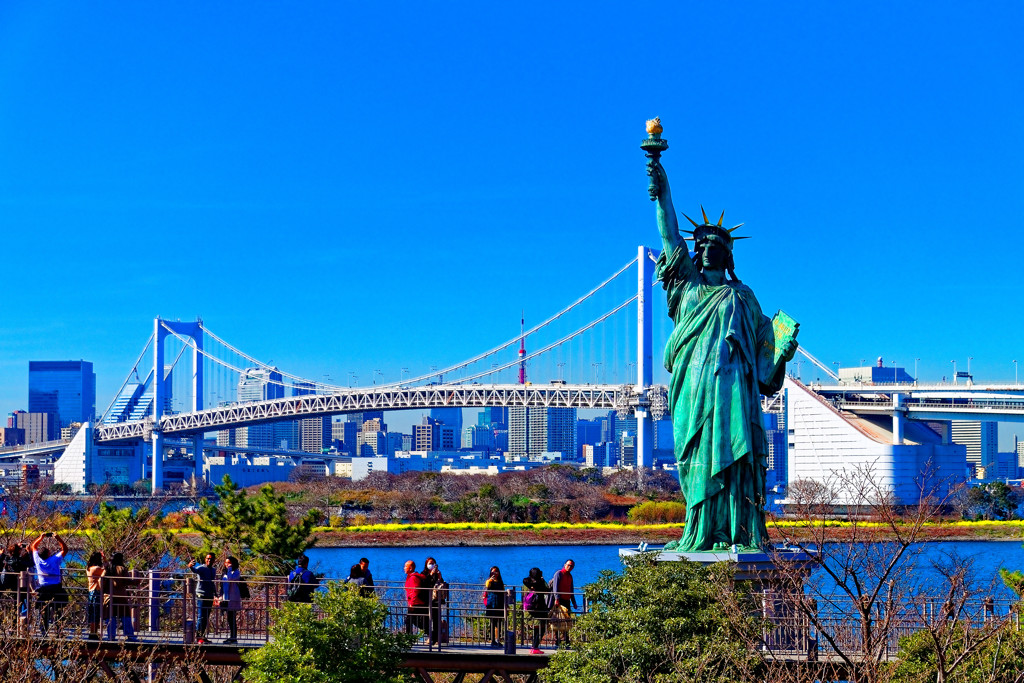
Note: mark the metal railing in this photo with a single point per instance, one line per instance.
(164, 607)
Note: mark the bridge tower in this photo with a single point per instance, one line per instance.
(194, 332)
(644, 355)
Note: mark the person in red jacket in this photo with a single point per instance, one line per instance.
(416, 597)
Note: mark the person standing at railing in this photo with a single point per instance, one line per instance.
(15, 560)
(94, 608)
(364, 566)
(206, 590)
(50, 594)
(117, 602)
(535, 604)
(417, 598)
(301, 582)
(564, 595)
(494, 604)
(231, 597)
(438, 596)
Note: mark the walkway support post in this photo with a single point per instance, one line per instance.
(644, 357)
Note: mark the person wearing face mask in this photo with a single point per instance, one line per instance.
(433, 580)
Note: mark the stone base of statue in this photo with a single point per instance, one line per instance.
(768, 569)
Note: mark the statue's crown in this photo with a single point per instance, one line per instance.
(706, 232)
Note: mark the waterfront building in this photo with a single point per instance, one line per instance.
(840, 450)
(314, 433)
(980, 439)
(248, 470)
(65, 389)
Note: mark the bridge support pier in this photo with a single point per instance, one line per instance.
(898, 416)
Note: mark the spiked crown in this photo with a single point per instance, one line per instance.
(706, 232)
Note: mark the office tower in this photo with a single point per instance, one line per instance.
(981, 440)
(36, 427)
(449, 416)
(493, 416)
(344, 436)
(360, 418)
(533, 431)
(65, 389)
(588, 432)
(433, 435)
(314, 433)
(258, 384)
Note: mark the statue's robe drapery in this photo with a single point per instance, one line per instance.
(715, 402)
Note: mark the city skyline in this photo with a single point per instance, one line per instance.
(291, 162)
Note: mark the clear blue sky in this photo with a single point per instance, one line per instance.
(305, 176)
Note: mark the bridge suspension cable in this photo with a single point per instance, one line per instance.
(553, 344)
(514, 340)
(807, 354)
(135, 369)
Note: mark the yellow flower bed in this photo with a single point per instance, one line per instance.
(497, 526)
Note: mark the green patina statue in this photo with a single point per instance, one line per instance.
(723, 354)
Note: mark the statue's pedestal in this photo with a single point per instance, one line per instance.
(765, 569)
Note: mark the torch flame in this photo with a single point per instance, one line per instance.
(654, 126)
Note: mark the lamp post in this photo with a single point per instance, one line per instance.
(954, 370)
(894, 373)
(403, 373)
(561, 366)
(837, 364)
(969, 359)
(375, 373)
(915, 370)
(597, 372)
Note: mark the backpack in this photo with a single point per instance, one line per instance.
(300, 589)
(534, 602)
(243, 589)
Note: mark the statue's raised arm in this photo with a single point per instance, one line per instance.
(668, 224)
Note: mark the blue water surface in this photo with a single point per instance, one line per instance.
(470, 564)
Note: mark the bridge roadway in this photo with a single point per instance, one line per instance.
(623, 398)
(989, 402)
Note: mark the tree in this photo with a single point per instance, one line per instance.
(657, 621)
(347, 641)
(256, 529)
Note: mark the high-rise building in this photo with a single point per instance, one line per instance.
(981, 440)
(493, 415)
(533, 431)
(65, 389)
(36, 427)
(433, 435)
(259, 384)
(449, 416)
(314, 432)
(588, 432)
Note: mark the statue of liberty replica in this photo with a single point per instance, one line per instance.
(724, 353)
